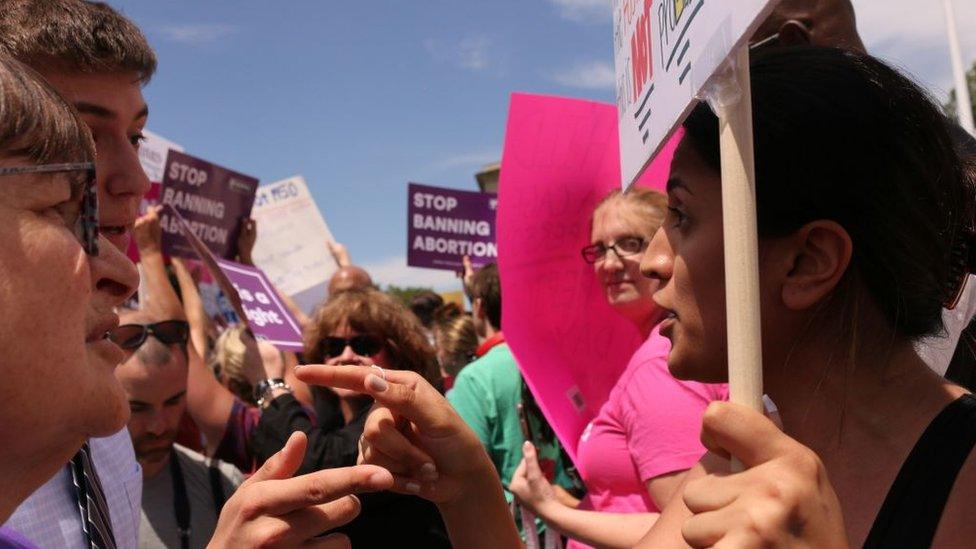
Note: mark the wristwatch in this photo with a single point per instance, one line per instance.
(264, 389)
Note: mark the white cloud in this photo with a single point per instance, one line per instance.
(584, 11)
(394, 270)
(590, 75)
(471, 52)
(912, 35)
(197, 33)
(478, 158)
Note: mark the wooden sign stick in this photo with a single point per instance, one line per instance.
(741, 242)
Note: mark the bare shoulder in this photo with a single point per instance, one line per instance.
(957, 528)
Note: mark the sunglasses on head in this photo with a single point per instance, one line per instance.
(83, 220)
(362, 345)
(169, 332)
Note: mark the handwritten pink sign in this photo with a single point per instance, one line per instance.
(561, 157)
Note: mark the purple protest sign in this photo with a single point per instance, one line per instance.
(267, 316)
(211, 198)
(443, 225)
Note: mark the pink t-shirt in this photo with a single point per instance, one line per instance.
(650, 426)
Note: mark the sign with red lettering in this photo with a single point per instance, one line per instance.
(665, 52)
(211, 198)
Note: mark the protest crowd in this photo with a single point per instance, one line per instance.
(156, 405)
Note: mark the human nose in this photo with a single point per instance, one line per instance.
(348, 355)
(612, 260)
(120, 172)
(114, 277)
(156, 424)
(658, 260)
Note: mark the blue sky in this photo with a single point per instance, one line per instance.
(362, 97)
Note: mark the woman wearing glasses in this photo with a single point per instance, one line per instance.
(365, 328)
(634, 454)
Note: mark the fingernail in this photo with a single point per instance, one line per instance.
(376, 384)
(413, 487)
(769, 405)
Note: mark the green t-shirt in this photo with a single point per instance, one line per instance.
(485, 395)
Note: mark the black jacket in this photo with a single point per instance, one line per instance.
(387, 519)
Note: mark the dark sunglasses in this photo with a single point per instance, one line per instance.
(84, 220)
(169, 332)
(362, 345)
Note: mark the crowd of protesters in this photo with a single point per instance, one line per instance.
(150, 424)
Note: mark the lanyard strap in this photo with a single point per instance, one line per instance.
(181, 503)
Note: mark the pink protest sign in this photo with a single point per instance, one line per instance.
(560, 159)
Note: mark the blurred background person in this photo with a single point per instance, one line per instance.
(455, 340)
(183, 491)
(364, 328)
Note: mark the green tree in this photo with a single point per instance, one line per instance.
(951, 106)
(405, 293)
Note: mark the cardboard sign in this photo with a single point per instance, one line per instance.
(665, 51)
(250, 293)
(152, 154)
(292, 246)
(267, 316)
(212, 199)
(560, 160)
(444, 225)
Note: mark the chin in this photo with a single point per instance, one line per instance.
(688, 368)
(112, 413)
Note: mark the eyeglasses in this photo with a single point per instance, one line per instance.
(169, 332)
(362, 345)
(625, 247)
(83, 222)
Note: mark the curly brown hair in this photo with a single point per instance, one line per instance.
(376, 313)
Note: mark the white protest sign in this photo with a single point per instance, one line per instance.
(665, 51)
(292, 240)
(152, 154)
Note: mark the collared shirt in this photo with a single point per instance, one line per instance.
(50, 516)
(488, 344)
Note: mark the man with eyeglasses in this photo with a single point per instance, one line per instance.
(183, 491)
(98, 61)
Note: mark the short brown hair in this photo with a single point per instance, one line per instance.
(35, 122)
(487, 286)
(88, 37)
(375, 313)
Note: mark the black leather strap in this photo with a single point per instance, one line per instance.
(181, 502)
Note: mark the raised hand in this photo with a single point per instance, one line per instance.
(782, 499)
(272, 509)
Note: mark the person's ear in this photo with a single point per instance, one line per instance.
(478, 308)
(794, 33)
(820, 253)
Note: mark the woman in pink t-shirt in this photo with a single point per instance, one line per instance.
(634, 454)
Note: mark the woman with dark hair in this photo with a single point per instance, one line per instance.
(865, 234)
(368, 329)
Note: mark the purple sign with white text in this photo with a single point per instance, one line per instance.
(211, 198)
(267, 316)
(444, 225)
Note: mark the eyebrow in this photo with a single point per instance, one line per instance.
(675, 183)
(105, 112)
